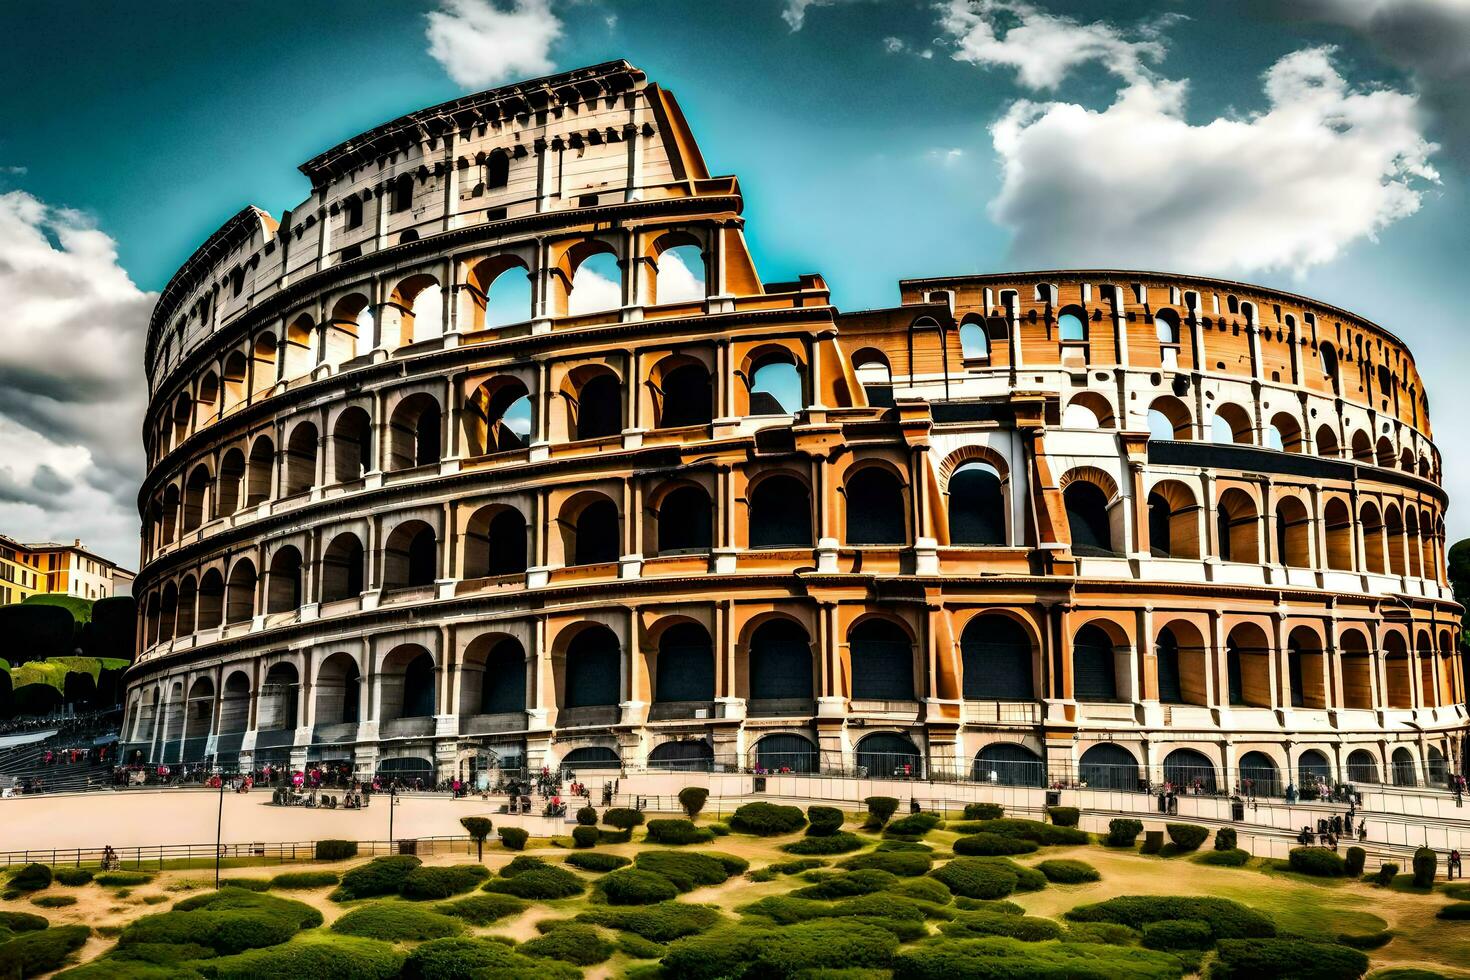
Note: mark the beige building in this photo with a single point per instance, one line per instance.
(498, 449)
(19, 578)
(52, 567)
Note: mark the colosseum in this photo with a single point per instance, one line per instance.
(498, 452)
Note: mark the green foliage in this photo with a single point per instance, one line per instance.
(633, 886)
(750, 951)
(1064, 871)
(1187, 836)
(688, 870)
(225, 931)
(597, 862)
(1356, 858)
(767, 819)
(1003, 958)
(320, 957)
(1386, 874)
(293, 880)
(904, 847)
(840, 842)
(424, 883)
(969, 925)
(667, 831)
(1110, 933)
(35, 631)
(1371, 940)
(571, 942)
(923, 889)
(976, 878)
(78, 608)
(660, 923)
(33, 953)
(298, 914)
(456, 958)
(1045, 834)
(1225, 839)
(22, 921)
(53, 901)
(1178, 934)
(622, 817)
(31, 878)
(1064, 816)
(1317, 861)
(584, 836)
(482, 910)
(72, 876)
(912, 826)
(993, 845)
(1229, 920)
(249, 884)
(380, 876)
(795, 867)
(1455, 911)
(847, 884)
(1426, 864)
(1153, 842)
(544, 883)
(396, 922)
(639, 948)
(824, 820)
(1298, 959)
(514, 838)
(586, 816)
(905, 864)
(335, 850)
(1123, 832)
(692, 799)
(984, 811)
(113, 622)
(1225, 859)
(880, 808)
(522, 863)
(479, 828)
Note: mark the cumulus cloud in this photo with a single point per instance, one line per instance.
(677, 282)
(480, 44)
(593, 292)
(1043, 48)
(1323, 166)
(793, 12)
(71, 381)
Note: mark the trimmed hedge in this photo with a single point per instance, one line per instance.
(454, 958)
(587, 817)
(1356, 858)
(22, 921)
(660, 923)
(768, 819)
(1001, 956)
(1455, 911)
(545, 883)
(53, 901)
(993, 845)
(396, 922)
(923, 889)
(1109, 933)
(321, 957)
(40, 951)
(1385, 874)
(692, 800)
(984, 811)
(904, 846)
(1370, 940)
(842, 842)
(880, 808)
(976, 878)
(584, 836)
(639, 948)
(298, 914)
(1225, 859)
(750, 951)
(824, 821)
(1064, 871)
(31, 878)
(675, 831)
(848, 884)
(249, 884)
(598, 862)
(522, 863)
(688, 870)
(1229, 920)
(122, 879)
(482, 910)
(513, 838)
(290, 880)
(72, 876)
(904, 864)
(1298, 959)
(1178, 934)
(968, 925)
(380, 876)
(1123, 832)
(571, 942)
(1187, 836)
(632, 886)
(623, 818)
(1045, 834)
(1426, 865)
(1316, 861)
(1225, 839)
(226, 931)
(425, 883)
(335, 850)
(1064, 816)
(913, 825)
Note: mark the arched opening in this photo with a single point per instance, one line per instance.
(1089, 410)
(301, 459)
(1231, 424)
(776, 384)
(686, 665)
(1168, 418)
(1071, 328)
(977, 509)
(1237, 524)
(493, 677)
(299, 354)
(1173, 521)
(1339, 526)
(419, 304)
(685, 521)
(507, 297)
(198, 717)
(1425, 659)
(401, 193)
(593, 669)
(342, 569)
(234, 383)
(1372, 525)
(1329, 366)
(338, 691)
(1327, 444)
(996, 660)
(685, 755)
(1362, 447)
(593, 757)
(413, 432)
(495, 542)
(231, 481)
(352, 445)
(351, 321)
(1362, 767)
(597, 406)
(678, 276)
(1189, 769)
(1357, 671)
(1405, 769)
(211, 600)
(785, 753)
(874, 374)
(171, 499)
(1393, 525)
(1087, 519)
(780, 513)
(497, 169)
(234, 708)
(882, 662)
(1313, 771)
(1398, 672)
(408, 681)
(1385, 455)
(1293, 533)
(240, 593)
(1284, 434)
(974, 340)
(283, 587)
(1305, 669)
(497, 417)
(597, 282)
(876, 511)
(1181, 664)
(885, 754)
(1094, 667)
(1412, 542)
(590, 520)
(780, 668)
(410, 556)
(259, 471)
(683, 395)
(196, 498)
(1438, 767)
(168, 612)
(263, 368)
(1248, 667)
(1008, 764)
(1108, 766)
(276, 708)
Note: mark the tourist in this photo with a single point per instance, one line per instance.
(1362, 831)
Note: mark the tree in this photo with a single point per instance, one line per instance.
(692, 798)
(479, 828)
(35, 631)
(114, 625)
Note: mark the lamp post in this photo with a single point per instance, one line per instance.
(392, 802)
(219, 826)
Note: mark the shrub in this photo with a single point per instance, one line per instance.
(880, 808)
(1229, 920)
(1045, 834)
(1225, 839)
(31, 878)
(545, 883)
(660, 923)
(22, 921)
(1064, 871)
(968, 925)
(913, 825)
(720, 829)
(768, 819)
(304, 879)
(1386, 874)
(586, 816)
(1153, 842)
(396, 922)
(992, 845)
(1110, 933)
(482, 910)
(425, 883)
(1064, 816)
(322, 957)
(677, 832)
(988, 905)
(1454, 911)
(904, 864)
(225, 931)
(692, 799)
(42, 951)
(824, 820)
(839, 843)
(925, 890)
(455, 958)
(1000, 956)
(335, 850)
(1316, 861)
(1187, 836)
(122, 879)
(848, 884)
(1371, 940)
(573, 943)
(639, 948)
(632, 886)
(976, 878)
(1178, 934)
(1426, 864)
(522, 863)
(597, 862)
(380, 876)
(298, 914)
(1356, 858)
(73, 876)
(513, 838)
(687, 870)
(984, 811)
(614, 836)
(249, 884)
(1225, 859)
(584, 836)
(54, 901)
(478, 828)
(1295, 958)
(1123, 832)
(750, 951)
(622, 817)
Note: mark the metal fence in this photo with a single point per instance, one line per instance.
(164, 857)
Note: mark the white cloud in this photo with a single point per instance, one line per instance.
(1044, 48)
(897, 45)
(946, 157)
(1324, 166)
(593, 292)
(677, 283)
(71, 381)
(480, 44)
(793, 12)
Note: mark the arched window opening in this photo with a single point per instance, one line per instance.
(996, 660)
(974, 341)
(342, 569)
(977, 509)
(1362, 767)
(497, 169)
(276, 708)
(874, 374)
(1189, 770)
(1405, 769)
(1108, 766)
(1087, 519)
(595, 533)
(1166, 328)
(418, 302)
(1237, 525)
(1386, 455)
(414, 432)
(350, 323)
(240, 593)
(684, 396)
(1372, 524)
(1071, 328)
(338, 691)
(776, 385)
(1314, 773)
(417, 678)
(299, 351)
(882, 658)
(597, 285)
(171, 499)
(685, 755)
(351, 214)
(402, 193)
(1327, 444)
(411, 556)
(1357, 671)
(196, 498)
(780, 668)
(352, 445)
(1231, 425)
(283, 590)
(1393, 523)
(301, 459)
(495, 543)
(1362, 447)
(1284, 434)
(1339, 525)
(876, 510)
(211, 600)
(1173, 521)
(502, 683)
(780, 513)
(1398, 672)
(1181, 665)
(679, 276)
(234, 709)
(785, 753)
(1009, 764)
(258, 473)
(1438, 767)
(235, 385)
(263, 371)
(599, 406)
(1293, 533)
(1248, 667)
(497, 417)
(1094, 668)
(685, 521)
(686, 665)
(1081, 415)
(206, 409)
(1329, 367)
(593, 669)
(884, 755)
(1413, 543)
(168, 612)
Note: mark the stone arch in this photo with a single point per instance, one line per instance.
(410, 556)
(1173, 520)
(1362, 767)
(1088, 495)
(1238, 526)
(592, 669)
(260, 471)
(780, 667)
(776, 380)
(240, 592)
(574, 273)
(1293, 532)
(1100, 653)
(1327, 444)
(1248, 657)
(684, 664)
(1089, 410)
(196, 503)
(1338, 525)
(1109, 765)
(886, 755)
(875, 505)
(593, 394)
(683, 755)
(780, 511)
(1284, 433)
(1305, 669)
(301, 450)
(352, 444)
(498, 417)
(1008, 764)
(998, 659)
(689, 285)
(1190, 769)
(683, 392)
(500, 289)
(880, 661)
(414, 437)
(492, 676)
(407, 683)
(1371, 523)
(299, 353)
(1169, 418)
(591, 529)
(350, 323)
(1405, 766)
(785, 752)
(684, 518)
(496, 542)
(415, 310)
(231, 482)
(1398, 670)
(283, 591)
(343, 568)
(1357, 669)
(211, 600)
(338, 690)
(1182, 664)
(1233, 421)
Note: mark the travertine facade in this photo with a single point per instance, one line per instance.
(1089, 524)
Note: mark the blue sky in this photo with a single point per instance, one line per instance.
(1322, 150)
